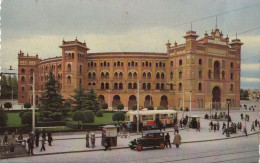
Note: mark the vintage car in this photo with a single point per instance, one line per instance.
(148, 139)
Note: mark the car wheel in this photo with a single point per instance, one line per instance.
(139, 147)
(162, 145)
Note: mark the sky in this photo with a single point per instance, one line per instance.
(39, 26)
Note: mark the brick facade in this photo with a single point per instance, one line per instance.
(207, 70)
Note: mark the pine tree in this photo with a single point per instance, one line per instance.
(79, 98)
(51, 99)
(9, 87)
(4, 87)
(92, 103)
(15, 85)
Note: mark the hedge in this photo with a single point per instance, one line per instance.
(74, 125)
(24, 129)
(51, 123)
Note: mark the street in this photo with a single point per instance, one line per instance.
(244, 149)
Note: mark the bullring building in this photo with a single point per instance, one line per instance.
(202, 72)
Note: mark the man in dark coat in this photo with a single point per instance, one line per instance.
(43, 133)
(30, 145)
(37, 135)
(256, 123)
(49, 138)
(108, 144)
(167, 140)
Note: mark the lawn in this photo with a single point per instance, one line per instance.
(14, 120)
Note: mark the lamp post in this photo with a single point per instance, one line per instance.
(190, 99)
(137, 129)
(33, 111)
(227, 133)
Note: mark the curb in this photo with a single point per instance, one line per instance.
(116, 148)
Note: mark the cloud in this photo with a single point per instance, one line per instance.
(250, 80)
(251, 67)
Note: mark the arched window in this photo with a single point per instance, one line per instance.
(129, 64)
(89, 75)
(107, 75)
(149, 75)
(231, 65)
(163, 64)
(80, 69)
(148, 86)
(144, 86)
(69, 67)
(171, 86)
(180, 74)
(142, 63)
(129, 85)
(146, 64)
(209, 74)
(136, 64)
(69, 80)
(157, 86)
(132, 63)
(91, 64)
(231, 87)
(23, 70)
(200, 74)
(105, 63)
(22, 78)
(162, 75)
(180, 86)
(120, 85)
(31, 79)
(162, 86)
(31, 71)
(108, 64)
(171, 76)
(135, 86)
(102, 75)
(200, 62)
(107, 85)
(156, 64)
(122, 64)
(144, 75)
(115, 86)
(135, 75)
(94, 75)
(223, 74)
(102, 86)
(115, 64)
(157, 75)
(180, 62)
(150, 64)
(200, 87)
(116, 75)
(171, 63)
(120, 75)
(118, 63)
(160, 64)
(231, 76)
(130, 75)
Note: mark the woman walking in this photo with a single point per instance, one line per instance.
(87, 140)
(177, 139)
(43, 142)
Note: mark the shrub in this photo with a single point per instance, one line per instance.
(27, 105)
(27, 118)
(21, 114)
(99, 113)
(46, 114)
(3, 117)
(104, 105)
(150, 107)
(118, 116)
(56, 116)
(134, 107)
(88, 116)
(161, 108)
(8, 105)
(76, 115)
(120, 107)
(65, 111)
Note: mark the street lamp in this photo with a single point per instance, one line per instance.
(190, 99)
(227, 133)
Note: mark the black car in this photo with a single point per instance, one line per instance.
(148, 139)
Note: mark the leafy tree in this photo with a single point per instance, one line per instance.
(3, 117)
(4, 87)
(27, 118)
(120, 107)
(79, 98)
(76, 116)
(9, 87)
(15, 87)
(51, 99)
(57, 116)
(92, 102)
(150, 107)
(104, 106)
(88, 116)
(8, 105)
(118, 116)
(27, 105)
(161, 108)
(134, 107)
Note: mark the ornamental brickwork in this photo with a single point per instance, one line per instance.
(202, 72)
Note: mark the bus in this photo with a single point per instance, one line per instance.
(149, 118)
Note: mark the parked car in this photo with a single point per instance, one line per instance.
(148, 139)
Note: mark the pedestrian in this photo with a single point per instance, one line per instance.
(186, 117)
(93, 140)
(242, 116)
(50, 138)
(215, 127)
(253, 126)
(43, 143)
(107, 144)
(224, 130)
(167, 140)
(218, 126)
(224, 125)
(12, 147)
(30, 144)
(87, 140)
(245, 130)
(176, 129)
(5, 142)
(43, 133)
(211, 125)
(240, 126)
(255, 122)
(37, 137)
(181, 123)
(177, 139)
(198, 125)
